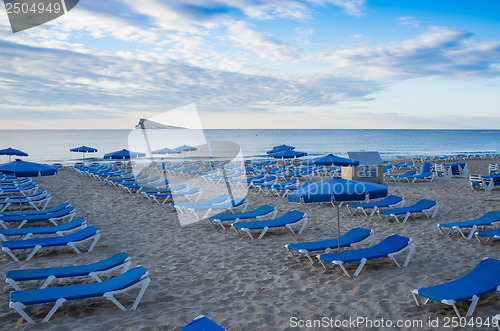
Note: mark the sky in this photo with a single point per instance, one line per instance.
(340, 64)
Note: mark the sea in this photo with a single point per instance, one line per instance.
(51, 146)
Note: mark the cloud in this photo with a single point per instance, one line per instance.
(408, 21)
(439, 51)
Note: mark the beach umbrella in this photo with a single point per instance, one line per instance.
(123, 154)
(186, 148)
(167, 151)
(83, 150)
(11, 151)
(288, 154)
(336, 191)
(26, 169)
(280, 148)
(330, 160)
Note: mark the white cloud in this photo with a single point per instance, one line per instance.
(408, 21)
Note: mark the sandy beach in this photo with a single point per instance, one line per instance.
(255, 285)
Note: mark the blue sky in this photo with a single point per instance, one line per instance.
(257, 64)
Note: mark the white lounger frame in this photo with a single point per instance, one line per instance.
(143, 283)
(426, 212)
(193, 197)
(356, 209)
(53, 220)
(472, 231)
(410, 247)
(125, 265)
(303, 220)
(452, 303)
(243, 207)
(370, 239)
(263, 217)
(72, 244)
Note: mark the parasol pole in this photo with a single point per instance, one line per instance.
(338, 226)
(20, 204)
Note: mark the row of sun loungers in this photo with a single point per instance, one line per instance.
(64, 231)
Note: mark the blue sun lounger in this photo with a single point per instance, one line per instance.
(483, 279)
(202, 323)
(22, 196)
(390, 201)
(176, 189)
(66, 213)
(182, 206)
(230, 206)
(27, 188)
(495, 234)
(133, 278)
(39, 203)
(192, 195)
(88, 233)
(491, 218)
(117, 261)
(398, 177)
(389, 247)
(424, 174)
(61, 229)
(259, 213)
(37, 212)
(281, 190)
(286, 220)
(266, 187)
(423, 206)
(353, 238)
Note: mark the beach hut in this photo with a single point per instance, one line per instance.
(370, 167)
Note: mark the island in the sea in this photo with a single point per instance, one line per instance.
(148, 124)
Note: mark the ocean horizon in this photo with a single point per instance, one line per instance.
(54, 145)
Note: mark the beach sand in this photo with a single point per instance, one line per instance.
(255, 285)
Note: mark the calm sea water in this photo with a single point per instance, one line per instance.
(54, 145)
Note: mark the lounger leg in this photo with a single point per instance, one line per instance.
(415, 296)
(373, 211)
(435, 211)
(144, 285)
(308, 256)
(262, 234)
(58, 304)
(472, 306)
(410, 254)
(406, 217)
(321, 261)
(96, 238)
(452, 303)
(304, 223)
(13, 283)
(36, 249)
(48, 281)
(17, 306)
(471, 233)
(360, 267)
